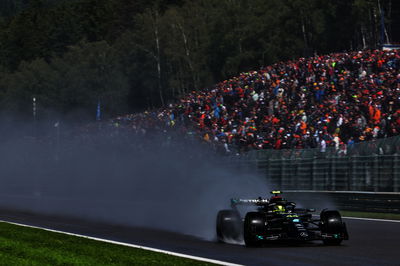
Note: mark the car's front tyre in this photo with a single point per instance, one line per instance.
(332, 224)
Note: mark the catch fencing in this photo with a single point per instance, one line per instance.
(365, 166)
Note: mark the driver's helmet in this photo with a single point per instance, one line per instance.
(278, 208)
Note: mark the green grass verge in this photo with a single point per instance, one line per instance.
(375, 215)
(28, 246)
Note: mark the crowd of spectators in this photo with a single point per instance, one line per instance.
(334, 100)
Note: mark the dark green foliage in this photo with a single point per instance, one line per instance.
(140, 54)
(78, 79)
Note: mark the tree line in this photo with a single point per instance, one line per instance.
(132, 55)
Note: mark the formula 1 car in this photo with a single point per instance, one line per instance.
(278, 219)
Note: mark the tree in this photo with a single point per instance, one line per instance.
(88, 72)
(150, 41)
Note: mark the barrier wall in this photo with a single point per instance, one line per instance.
(382, 202)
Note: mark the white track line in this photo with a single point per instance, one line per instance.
(372, 219)
(129, 245)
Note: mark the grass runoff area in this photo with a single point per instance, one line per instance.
(29, 246)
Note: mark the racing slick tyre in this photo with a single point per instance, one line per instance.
(331, 223)
(254, 226)
(229, 225)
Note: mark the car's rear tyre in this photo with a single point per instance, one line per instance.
(229, 225)
(332, 224)
(254, 227)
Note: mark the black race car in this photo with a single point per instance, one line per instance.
(278, 219)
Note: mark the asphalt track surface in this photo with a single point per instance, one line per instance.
(371, 242)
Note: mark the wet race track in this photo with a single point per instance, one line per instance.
(371, 243)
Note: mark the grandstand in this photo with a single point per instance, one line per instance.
(334, 100)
